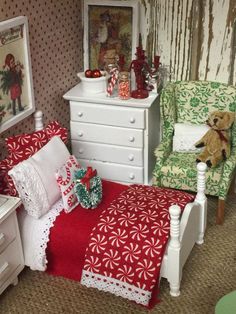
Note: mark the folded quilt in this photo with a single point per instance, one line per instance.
(127, 245)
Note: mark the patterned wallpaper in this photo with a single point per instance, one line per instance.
(56, 36)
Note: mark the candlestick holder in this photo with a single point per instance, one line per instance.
(141, 67)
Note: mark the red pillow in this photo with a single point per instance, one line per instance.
(54, 128)
(21, 147)
(7, 186)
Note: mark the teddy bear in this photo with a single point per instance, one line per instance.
(216, 141)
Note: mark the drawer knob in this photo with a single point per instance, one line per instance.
(81, 151)
(132, 120)
(131, 138)
(80, 134)
(131, 157)
(80, 114)
(131, 176)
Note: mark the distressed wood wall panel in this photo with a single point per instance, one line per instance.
(197, 38)
(216, 58)
(168, 28)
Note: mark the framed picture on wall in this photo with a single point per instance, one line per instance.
(110, 30)
(16, 83)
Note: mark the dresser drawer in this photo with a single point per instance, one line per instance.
(106, 134)
(108, 115)
(115, 172)
(7, 231)
(9, 261)
(103, 152)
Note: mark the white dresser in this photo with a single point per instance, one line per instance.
(11, 254)
(116, 137)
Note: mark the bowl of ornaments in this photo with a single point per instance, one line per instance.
(93, 81)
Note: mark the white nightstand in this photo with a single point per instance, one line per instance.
(11, 254)
(116, 137)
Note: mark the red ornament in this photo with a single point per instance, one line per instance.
(88, 73)
(96, 73)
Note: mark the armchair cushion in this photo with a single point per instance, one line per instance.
(179, 172)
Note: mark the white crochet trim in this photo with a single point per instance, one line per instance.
(30, 188)
(35, 236)
(116, 287)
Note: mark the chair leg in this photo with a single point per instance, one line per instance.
(220, 212)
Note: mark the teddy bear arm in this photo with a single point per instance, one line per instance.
(203, 156)
(202, 142)
(214, 160)
(199, 144)
(226, 152)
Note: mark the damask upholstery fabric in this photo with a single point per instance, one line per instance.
(191, 102)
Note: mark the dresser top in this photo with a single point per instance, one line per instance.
(77, 94)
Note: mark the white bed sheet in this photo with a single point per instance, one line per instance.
(35, 235)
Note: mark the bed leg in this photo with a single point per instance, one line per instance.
(15, 281)
(202, 200)
(174, 267)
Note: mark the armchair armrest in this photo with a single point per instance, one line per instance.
(164, 149)
(227, 174)
(168, 110)
(161, 152)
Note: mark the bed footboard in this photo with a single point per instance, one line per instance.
(173, 252)
(185, 233)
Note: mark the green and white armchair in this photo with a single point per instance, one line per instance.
(191, 102)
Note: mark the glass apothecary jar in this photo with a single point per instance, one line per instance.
(124, 85)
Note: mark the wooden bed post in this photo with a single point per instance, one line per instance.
(174, 269)
(38, 120)
(201, 199)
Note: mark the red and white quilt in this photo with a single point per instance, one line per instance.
(126, 246)
(117, 247)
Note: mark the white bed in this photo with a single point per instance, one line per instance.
(185, 231)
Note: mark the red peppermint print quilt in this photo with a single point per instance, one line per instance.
(119, 246)
(127, 245)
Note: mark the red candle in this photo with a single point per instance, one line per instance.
(156, 61)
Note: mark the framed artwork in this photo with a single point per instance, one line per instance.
(110, 30)
(16, 83)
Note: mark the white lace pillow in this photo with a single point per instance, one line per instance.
(35, 180)
(65, 181)
(186, 135)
